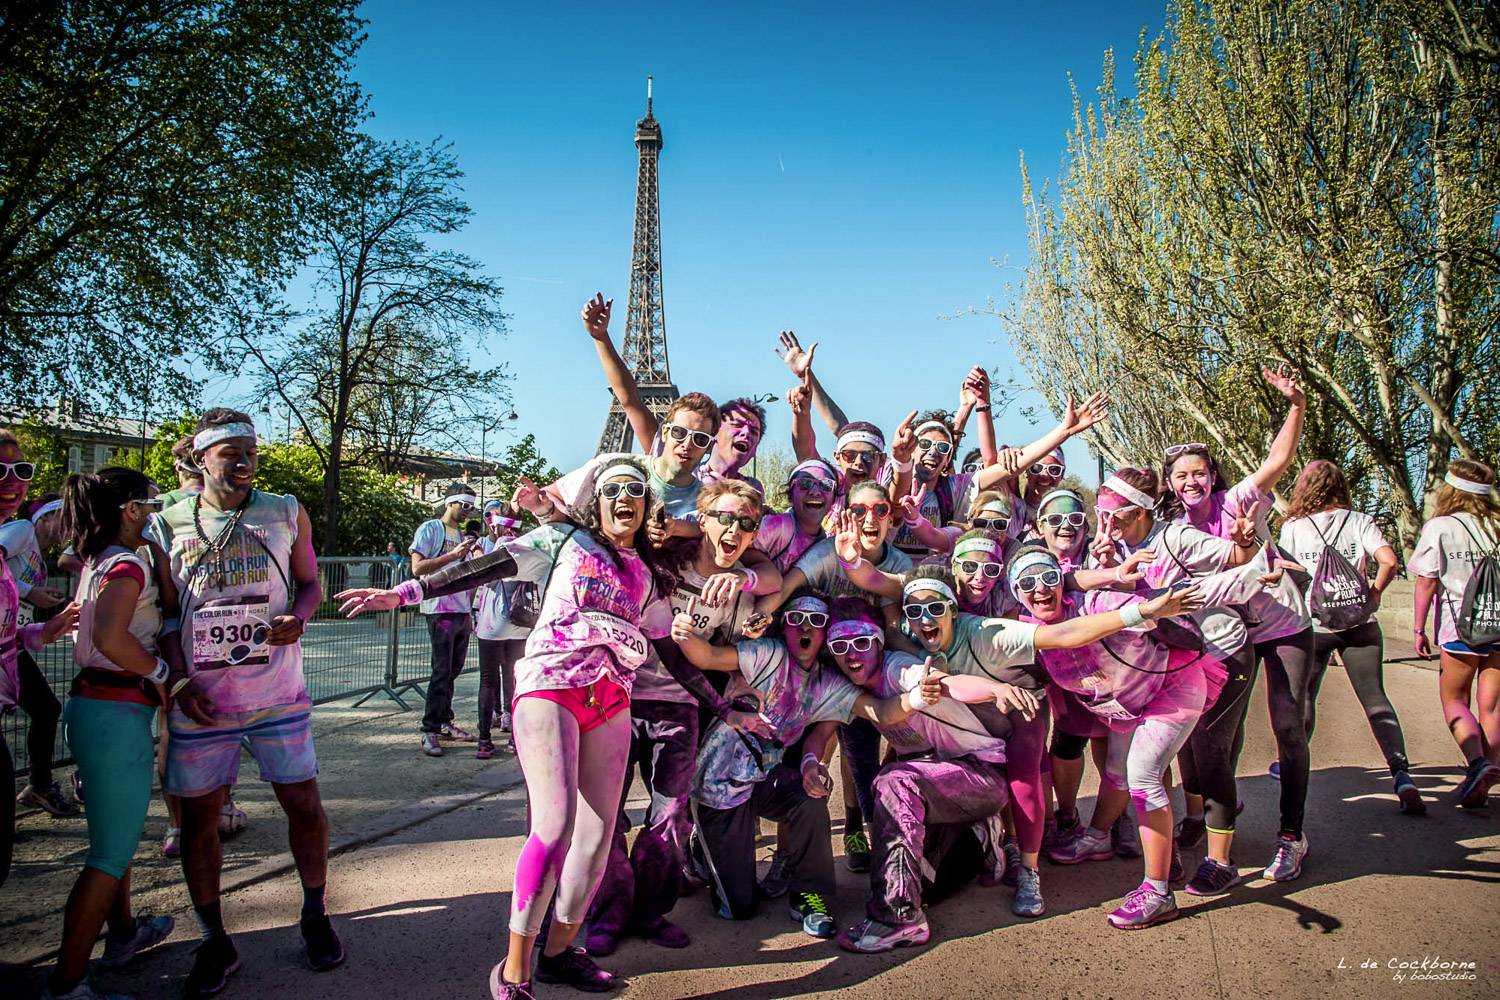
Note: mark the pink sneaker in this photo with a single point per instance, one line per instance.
(1142, 908)
(870, 936)
(501, 990)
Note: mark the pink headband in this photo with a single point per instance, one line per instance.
(808, 604)
(851, 627)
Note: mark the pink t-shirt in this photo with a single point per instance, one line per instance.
(1448, 549)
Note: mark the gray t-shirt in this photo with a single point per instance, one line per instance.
(820, 564)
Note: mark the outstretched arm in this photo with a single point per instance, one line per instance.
(800, 362)
(616, 373)
(1085, 629)
(1284, 447)
(977, 385)
(1074, 421)
(804, 438)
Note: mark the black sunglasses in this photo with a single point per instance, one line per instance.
(992, 523)
(746, 522)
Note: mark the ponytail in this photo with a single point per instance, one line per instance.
(91, 507)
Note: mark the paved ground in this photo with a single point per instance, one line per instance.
(421, 889)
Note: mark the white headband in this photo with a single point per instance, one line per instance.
(467, 498)
(860, 437)
(206, 439)
(933, 425)
(621, 469)
(817, 465)
(967, 545)
(1120, 487)
(1468, 485)
(928, 583)
(51, 506)
(1057, 494)
(1036, 557)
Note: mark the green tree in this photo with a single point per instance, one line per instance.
(158, 160)
(383, 281)
(1295, 180)
(374, 508)
(48, 451)
(521, 459)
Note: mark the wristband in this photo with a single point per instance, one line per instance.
(410, 591)
(178, 685)
(905, 466)
(915, 700)
(1119, 573)
(982, 409)
(811, 757)
(1131, 615)
(751, 580)
(850, 567)
(159, 673)
(1419, 631)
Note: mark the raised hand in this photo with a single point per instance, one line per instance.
(1103, 550)
(1009, 461)
(846, 537)
(1244, 531)
(721, 588)
(659, 528)
(755, 626)
(931, 687)
(798, 397)
(682, 627)
(975, 390)
(1170, 603)
(1133, 569)
(911, 505)
(596, 316)
(362, 599)
(1079, 418)
(791, 352)
(529, 497)
(1283, 378)
(905, 442)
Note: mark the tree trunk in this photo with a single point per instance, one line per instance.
(330, 543)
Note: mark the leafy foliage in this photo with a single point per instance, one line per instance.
(374, 508)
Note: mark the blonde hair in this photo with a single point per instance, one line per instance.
(1452, 501)
(729, 487)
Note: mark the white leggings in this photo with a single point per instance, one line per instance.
(1138, 758)
(573, 788)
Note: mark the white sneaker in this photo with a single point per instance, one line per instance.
(1287, 864)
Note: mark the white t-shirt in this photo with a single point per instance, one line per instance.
(719, 625)
(434, 538)
(1449, 548)
(145, 622)
(946, 730)
(493, 602)
(1354, 534)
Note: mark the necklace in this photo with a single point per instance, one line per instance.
(214, 547)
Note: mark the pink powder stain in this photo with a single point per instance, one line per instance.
(537, 862)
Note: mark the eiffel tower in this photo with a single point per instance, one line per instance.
(645, 347)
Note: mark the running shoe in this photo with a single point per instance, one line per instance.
(324, 949)
(430, 745)
(171, 842)
(664, 933)
(232, 818)
(503, 722)
(485, 750)
(870, 936)
(214, 961)
(1475, 790)
(1287, 862)
(1012, 852)
(1124, 837)
(50, 800)
(1190, 832)
(857, 851)
(993, 862)
(1028, 901)
(501, 990)
(149, 932)
(778, 877)
(1275, 770)
(1213, 879)
(809, 908)
(695, 873)
(1411, 798)
(573, 967)
(457, 734)
(1059, 830)
(1144, 907)
(1089, 845)
(85, 990)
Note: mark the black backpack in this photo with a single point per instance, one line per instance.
(1479, 610)
(1341, 597)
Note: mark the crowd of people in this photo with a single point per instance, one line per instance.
(959, 625)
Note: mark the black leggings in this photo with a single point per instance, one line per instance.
(7, 808)
(497, 679)
(1289, 666)
(1362, 651)
(1208, 760)
(44, 711)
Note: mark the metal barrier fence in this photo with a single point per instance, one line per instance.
(385, 654)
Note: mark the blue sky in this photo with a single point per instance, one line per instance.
(844, 171)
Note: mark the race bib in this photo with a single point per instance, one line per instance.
(1110, 708)
(627, 642)
(232, 632)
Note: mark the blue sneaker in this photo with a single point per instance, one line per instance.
(1275, 769)
(149, 932)
(1028, 901)
(809, 908)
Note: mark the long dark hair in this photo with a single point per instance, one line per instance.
(664, 562)
(91, 507)
(1172, 508)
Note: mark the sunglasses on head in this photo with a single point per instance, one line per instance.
(1046, 578)
(677, 432)
(633, 489)
(1191, 448)
(745, 522)
(155, 502)
(1051, 469)
(972, 567)
(934, 444)
(813, 619)
(930, 609)
(864, 456)
(858, 644)
(880, 509)
(991, 523)
(1074, 519)
(24, 471)
(805, 481)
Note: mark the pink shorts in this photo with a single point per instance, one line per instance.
(592, 706)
